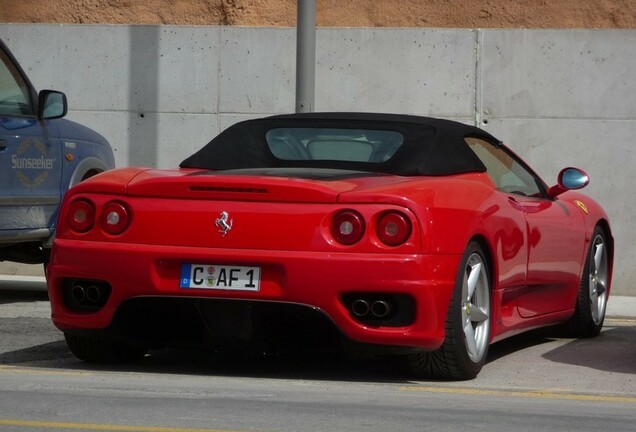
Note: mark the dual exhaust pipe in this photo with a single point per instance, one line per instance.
(86, 295)
(363, 308)
(380, 309)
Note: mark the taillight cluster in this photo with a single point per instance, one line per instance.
(112, 218)
(81, 216)
(348, 227)
(392, 228)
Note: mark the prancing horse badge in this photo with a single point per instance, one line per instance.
(224, 223)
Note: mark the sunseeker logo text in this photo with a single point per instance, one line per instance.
(32, 163)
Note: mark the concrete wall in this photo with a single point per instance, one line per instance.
(557, 97)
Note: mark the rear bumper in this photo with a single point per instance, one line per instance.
(317, 280)
(13, 236)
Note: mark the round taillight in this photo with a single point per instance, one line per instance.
(393, 228)
(81, 216)
(347, 227)
(115, 218)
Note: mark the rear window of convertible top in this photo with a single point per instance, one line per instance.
(347, 145)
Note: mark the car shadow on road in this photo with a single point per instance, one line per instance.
(306, 366)
(520, 342)
(47, 354)
(614, 350)
(318, 366)
(20, 296)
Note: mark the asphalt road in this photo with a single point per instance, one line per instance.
(535, 381)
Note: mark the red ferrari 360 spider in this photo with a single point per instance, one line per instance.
(391, 233)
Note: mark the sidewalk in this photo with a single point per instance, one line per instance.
(621, 307)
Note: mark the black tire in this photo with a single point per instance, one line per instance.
(591, 301)
(103, 350)
(465, 348)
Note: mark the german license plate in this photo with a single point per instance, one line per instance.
(221, 277)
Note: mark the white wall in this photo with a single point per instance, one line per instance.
(557, 97)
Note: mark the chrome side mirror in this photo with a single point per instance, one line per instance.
(569, 179)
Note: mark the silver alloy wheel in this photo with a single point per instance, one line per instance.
(476, 307)
(598, 279)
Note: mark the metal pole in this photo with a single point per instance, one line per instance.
(305, 56)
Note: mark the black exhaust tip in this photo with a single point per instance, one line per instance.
(381, 309)
(81, 295)
(360, 307)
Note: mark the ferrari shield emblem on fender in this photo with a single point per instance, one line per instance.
(224, 223)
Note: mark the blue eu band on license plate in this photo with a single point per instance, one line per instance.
(221, 277)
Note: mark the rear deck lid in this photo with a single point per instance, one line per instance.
(301, 185)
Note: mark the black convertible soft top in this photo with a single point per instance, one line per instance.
(431, 146)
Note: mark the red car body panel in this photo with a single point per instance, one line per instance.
(282, 225)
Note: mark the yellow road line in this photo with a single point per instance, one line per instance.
(540, 394)
(100, 427)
